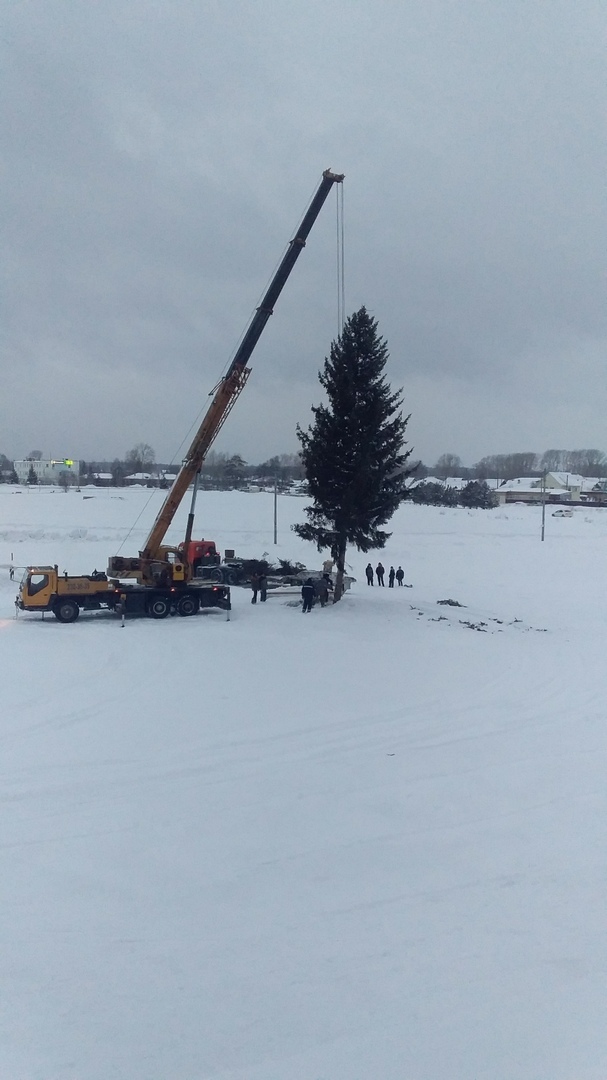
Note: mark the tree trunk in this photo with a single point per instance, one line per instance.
(339, 560)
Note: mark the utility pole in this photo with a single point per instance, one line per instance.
(275, 509)
(543, 503)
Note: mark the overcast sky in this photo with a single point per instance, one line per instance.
(158, 156)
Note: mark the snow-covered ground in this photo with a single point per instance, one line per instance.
(366, 845)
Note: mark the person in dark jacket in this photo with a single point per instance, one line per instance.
(379, 570)
(400, 575)
(263, 587)
(369, 573)
(254, 586)
(307, 595)
(391, 576)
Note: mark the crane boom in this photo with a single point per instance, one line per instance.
(230, 386)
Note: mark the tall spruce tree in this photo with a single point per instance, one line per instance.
(353, 454)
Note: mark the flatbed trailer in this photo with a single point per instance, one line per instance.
(44, 589)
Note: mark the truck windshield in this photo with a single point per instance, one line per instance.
(36, 582)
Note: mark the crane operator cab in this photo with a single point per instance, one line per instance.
(169, 569)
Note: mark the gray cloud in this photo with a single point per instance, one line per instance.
(157, 158)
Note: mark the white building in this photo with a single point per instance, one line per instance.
(561, 481)
(554, 487)
(47, 471)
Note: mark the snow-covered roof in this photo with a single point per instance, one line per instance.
(520, 483)
(429, 480)
(456, 482)
(141, 477)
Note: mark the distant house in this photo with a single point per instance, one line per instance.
(559, 487)
(102, 479)
(561, 481)
(158, 478)
(520, 489)
(594, 491)
(456, 482)
(452, 481)
(426, 480)
(142, 478)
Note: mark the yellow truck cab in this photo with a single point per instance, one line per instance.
(38, 585)
(43, 588)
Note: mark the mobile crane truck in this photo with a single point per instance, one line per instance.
(162, 580)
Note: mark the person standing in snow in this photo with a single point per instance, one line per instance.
(391, 576)
(323, 585)
(400, 575)
(254, 586)
(263, 587)
(379, 570)
(307, 595)
(369, 573)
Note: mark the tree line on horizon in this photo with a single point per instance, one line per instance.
(221, 471)
(228, 471)
(529, 463)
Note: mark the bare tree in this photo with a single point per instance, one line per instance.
(586, 462)
(213, 469)
(506, 466)
(448, 465)
(553, 460)
(140, 458)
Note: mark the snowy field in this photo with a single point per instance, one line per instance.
(366, 845)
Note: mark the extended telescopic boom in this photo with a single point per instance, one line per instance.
(231, 384)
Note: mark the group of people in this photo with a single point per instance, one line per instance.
(393, 575)
(312, 589)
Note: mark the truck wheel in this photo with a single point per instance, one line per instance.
(159, 607)
(215, 574)
(187, 605)
(66, 610)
